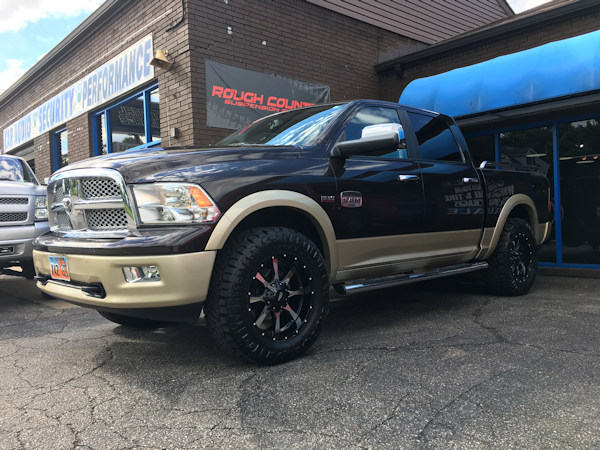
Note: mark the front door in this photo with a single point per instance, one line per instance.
(379, 203)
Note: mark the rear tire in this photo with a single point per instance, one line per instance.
(269, 295)
(134, 322)
(513, 265)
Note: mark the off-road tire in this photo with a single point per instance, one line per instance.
(513, 265)
(269, 295)
(134, 322)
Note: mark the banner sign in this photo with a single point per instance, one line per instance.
(236, 97)
(127, 70)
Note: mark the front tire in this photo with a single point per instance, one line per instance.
(513, 265)
(269, 295)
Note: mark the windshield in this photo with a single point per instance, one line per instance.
(14, 169)
(298, 127)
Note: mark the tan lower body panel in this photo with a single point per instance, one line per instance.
(379, 256)
(184, 279)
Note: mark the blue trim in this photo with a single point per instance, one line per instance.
(497, 153)
(557, 199)
(145, 93)
(147, 116)
(570, 265)
(556, 175)
(55, 145)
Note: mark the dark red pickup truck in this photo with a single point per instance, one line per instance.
(256, 230)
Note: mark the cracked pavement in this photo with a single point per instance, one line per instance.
(436, 365)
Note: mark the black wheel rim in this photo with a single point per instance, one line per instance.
(520, 256)
(280, 297)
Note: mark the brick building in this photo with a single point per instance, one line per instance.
(233, 60)
(525, 90)
(81, 100)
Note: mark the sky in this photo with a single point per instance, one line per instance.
(31, 28)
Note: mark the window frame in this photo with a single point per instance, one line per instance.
(57, 148)
(449, 127)
(97, 117)
(402, 120)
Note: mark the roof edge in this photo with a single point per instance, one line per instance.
(515, 23)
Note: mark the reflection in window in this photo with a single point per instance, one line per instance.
(532, 146)
(371, 121)
(482, 148)
(154, 115)
(61, 149)
(436, 141)
(579, 151)
(125, 125)
(14, 169)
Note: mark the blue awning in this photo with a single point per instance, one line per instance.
(557, 69)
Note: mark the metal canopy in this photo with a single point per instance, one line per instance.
(554, 70)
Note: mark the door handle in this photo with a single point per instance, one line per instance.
(408, 178)
(469, 180)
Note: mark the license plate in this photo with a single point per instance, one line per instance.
(59, 268)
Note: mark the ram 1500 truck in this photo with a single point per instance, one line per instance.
(255, 230)
(23, 215)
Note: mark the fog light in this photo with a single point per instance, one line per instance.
(141, 274)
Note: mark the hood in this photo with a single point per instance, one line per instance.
(23, 189)
(163, 164)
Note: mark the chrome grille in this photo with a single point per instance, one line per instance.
(13, 217)
(106, 219)
(90, 203)
(58, 195)
(95, 188)
(14, 201)
(64, 224)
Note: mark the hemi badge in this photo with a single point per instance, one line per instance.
(327, 198)
(351, 199)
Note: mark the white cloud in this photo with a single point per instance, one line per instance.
(16, 15)
(14, 69)
(523, 5)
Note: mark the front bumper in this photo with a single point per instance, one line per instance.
(16, 243)
(184, 280)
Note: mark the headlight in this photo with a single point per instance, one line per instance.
(173, 203)
(41, 208)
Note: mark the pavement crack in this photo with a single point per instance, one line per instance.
(477, 319)
(422, 435)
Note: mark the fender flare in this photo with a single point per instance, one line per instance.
(278, 198)
(490, 239)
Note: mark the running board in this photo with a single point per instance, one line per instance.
(396, 280)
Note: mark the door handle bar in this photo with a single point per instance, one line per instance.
(408, 178)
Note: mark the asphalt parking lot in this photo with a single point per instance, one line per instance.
(439, 365)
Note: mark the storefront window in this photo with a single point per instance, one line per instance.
(60, 149)
(154, 115)
(533, 146)
(131, 123)
(579, 151)
(127, 125)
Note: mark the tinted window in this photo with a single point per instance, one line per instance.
(435, 139)
(374, 115)
(482, 148)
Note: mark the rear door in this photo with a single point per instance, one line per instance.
(453, 190)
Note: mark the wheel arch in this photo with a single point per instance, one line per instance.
(302, 213)
(518, 206)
